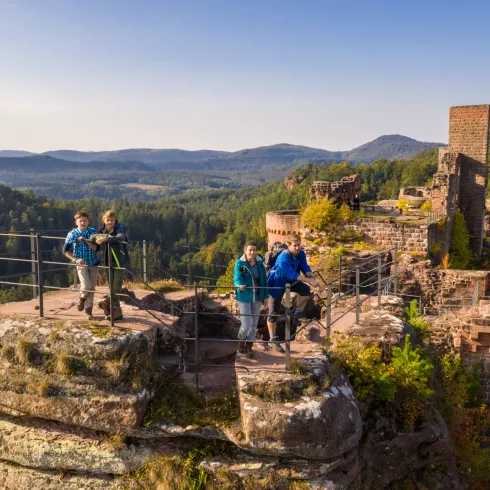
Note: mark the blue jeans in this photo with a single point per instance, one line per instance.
(248, 328)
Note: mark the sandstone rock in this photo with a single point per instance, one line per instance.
(76, 337)
(47, 445)
(384, 327)
(334, 474)
(392, 304)
(13, 477)
(385, 460)
(94, 410)
(321, 426)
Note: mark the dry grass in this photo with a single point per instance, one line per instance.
(163, 286)
(274, 391)
(65, 365)
(117, 368)
(25, 351)
(41, 387)
(116, 441)
(8, 353)
(297, 366)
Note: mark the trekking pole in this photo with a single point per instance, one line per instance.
(111, 283)
(287, 333)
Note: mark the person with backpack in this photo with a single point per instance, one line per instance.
(287, 268)
(114, 233)
(250, 281)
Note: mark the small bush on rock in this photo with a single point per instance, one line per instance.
(374, 376)
(459, 251)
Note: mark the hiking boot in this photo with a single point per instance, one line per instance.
(106, 306)
(81, 303)
(242, 346)
(276, 347)
(118, 315)
(249, 353)
(88, 313)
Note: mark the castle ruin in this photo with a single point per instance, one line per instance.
(341, 192)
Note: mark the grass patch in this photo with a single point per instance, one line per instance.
(162, 286)
(297, 366)
(26, 352)
(8, 353)
(65, 365)
(177, 403)
(277, 391)
(98, 330)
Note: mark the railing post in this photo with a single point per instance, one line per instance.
(379, 283)
(395, 271)
(145, 265)
(340, 274)
(39, 259)
(33, 264)
(189, 260)
(358, 303)
(329, 312)
(111, 283)
(196, 335)
(287, 333)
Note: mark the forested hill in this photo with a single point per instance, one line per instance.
(388, 146)
(222, 218)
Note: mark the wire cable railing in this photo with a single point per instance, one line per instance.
(381, 279)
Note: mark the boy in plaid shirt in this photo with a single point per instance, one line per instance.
(81, 251)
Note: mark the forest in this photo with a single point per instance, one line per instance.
(177, 227)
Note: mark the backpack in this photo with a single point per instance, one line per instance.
(271, 257)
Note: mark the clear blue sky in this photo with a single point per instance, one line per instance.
(232, 74)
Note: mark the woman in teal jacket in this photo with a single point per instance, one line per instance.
(251, 282)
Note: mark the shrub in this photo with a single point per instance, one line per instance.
(321, 215)
(426, 206)
(402, 204)
(459, 251)
(416, 320)
(405, 373)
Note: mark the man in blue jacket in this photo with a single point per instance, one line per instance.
(288, 268)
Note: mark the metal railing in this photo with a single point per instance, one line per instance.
(378, 280)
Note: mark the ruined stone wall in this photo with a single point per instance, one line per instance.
(446, 183)
(415, 195)
(279, 224)
(342, 191)
(388, 233)
(469, 135)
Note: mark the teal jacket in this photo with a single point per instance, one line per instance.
(243, 277)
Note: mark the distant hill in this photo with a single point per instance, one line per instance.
(144, 155)
(389, 146)
(14, 153)
(46, 164)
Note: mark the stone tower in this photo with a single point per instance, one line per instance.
(469, 136)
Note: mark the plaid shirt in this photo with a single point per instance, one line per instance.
(80, 249)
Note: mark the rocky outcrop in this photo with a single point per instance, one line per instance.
(321, 425)
(387, 459)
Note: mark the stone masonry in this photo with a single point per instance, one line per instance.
(279, 224)
(342, 191)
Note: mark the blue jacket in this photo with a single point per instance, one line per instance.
(243, 277)
(287, 269)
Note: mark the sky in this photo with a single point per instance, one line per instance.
(233, 74)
